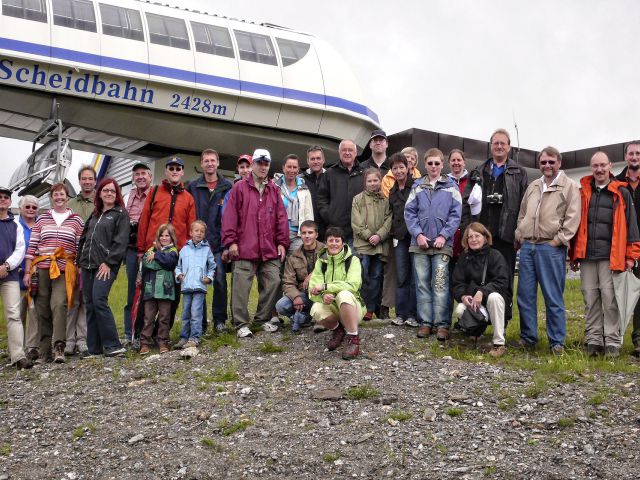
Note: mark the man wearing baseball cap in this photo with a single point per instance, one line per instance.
(378, 144)
(141, 177)
(255, 230)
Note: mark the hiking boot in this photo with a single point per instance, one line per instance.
(442, 334)
(180, 345)
(244, 332)
(611, 352)
(497, 351)
(594, 350)
(69, 350)
(33, 354)
(557, 350)
(352, 349)
(383, 312)
(399, 321)
(337, 336)
(523, 345)
(145, 350)
(423, 331)
(23, 364)
(58, 353)
(190, 344)
(367, 316)
(412, 322)
(164, 349)
(44, 357)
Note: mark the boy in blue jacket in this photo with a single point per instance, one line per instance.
(195, 270)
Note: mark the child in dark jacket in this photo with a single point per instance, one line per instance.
(195, 270)
(158, 264)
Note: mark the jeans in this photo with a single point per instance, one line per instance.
(406, 285)
(372, 275)
(101, 326)
(131, 265)
(284, 307)
(432, 289)
(635, 335)
(192, 304)
(219, 303)
(544, 265)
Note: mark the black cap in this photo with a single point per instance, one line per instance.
(5, 190)
(378, 133)
(175, 161)
(138, 165)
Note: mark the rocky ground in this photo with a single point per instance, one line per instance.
(280, 406)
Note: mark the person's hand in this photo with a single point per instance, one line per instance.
(225, 255)
(180, 277)
(439, 241)
(516, 245)
(374, 239)
(206, 280)
(104, 272)
(298, 304)
(27, 279)
(4, 271)
(328, 298)
(305, 283)
(233, 252)
(476, 300)
(317, 290)
(574, 265)
(422, 241)
(630, 264)
(151, 256)
(282, 252)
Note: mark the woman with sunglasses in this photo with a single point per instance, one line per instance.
(102, 248)
(432, 214)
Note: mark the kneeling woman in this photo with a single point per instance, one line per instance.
(335, 290)
(481, 278)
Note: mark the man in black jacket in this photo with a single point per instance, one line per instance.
(503, 185)
(378, 159)
(631, 175)
(311, 177)
(339, 184)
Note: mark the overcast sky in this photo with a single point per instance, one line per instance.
(566, 69)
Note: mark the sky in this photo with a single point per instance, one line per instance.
(564, 69)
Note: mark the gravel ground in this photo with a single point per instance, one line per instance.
(244, 413)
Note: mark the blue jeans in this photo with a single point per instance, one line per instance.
(544, 265)
(219, 303)
(405, 283)
(372, 275)
(284, 307)
(192, 304)
(102, 333)
(131, 266)
(432, 289)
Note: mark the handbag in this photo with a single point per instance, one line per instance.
(474, 323)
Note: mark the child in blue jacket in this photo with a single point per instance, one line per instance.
(195, 270)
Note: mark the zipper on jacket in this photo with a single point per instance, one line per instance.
(92, 235)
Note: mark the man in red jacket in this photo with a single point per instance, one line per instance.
(255, 230)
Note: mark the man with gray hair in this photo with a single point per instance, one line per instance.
(548, 220)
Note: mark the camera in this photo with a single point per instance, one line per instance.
(494, 199)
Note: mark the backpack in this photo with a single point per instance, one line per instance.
(347, 264)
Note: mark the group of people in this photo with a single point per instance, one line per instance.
(329, 247)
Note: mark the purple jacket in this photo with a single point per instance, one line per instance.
(257, 225)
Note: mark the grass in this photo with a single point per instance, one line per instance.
(5, 449)
(567, 422)
(454, 412)
(210, 444)
(331, 457)
(269, 347)
(400, 416)
(81, 430)
(229, 428)
(362, 392)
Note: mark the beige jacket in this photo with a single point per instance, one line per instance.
(552, 216)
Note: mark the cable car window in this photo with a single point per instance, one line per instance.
(78, 14)
(121, 22)
(256, 48)
(168, 31)
(291, 51)
(27, 9)
(212, 39)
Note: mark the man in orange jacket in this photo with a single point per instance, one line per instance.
(607, 241)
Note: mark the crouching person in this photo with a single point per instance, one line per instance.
(335, 290)
(481, 279)
(295, 302)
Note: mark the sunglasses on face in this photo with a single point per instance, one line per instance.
(547, 162)
(173, 168)
(434, 164)
(30, 207)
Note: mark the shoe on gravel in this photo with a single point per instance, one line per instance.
(244, 332)
(118, 352)
(23, 364)
(181, 343)
(145, 350)
(399, 321)
(221, 328)
(423, 331)
(337, 336)
(33, 354)
(58, 353)
(497, 351)
(164, 349)
(69, 350)
(272, 325)
(352, 349)
(442, 334)
(412, 322)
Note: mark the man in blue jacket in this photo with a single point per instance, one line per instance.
(208, 192)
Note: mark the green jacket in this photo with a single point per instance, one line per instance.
(336, 277)
(82, 206)
(370, 215)
(157, 276)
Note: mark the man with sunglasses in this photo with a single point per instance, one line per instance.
(549, 218)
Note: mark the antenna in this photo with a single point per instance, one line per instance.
(515, 125)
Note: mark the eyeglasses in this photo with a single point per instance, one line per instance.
(173, 168)
(547, 162)
(30, 207)
(434, 164)
(5, 197)
(108, 190)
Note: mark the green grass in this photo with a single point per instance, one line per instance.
(362, 392)
(454, 412)
(567, 422)
(5, 449)
(229, 428)
(400, 416)
(211, 444)
(81, 430)
(331, 457)
(268, 347)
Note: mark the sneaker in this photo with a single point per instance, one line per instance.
(86, 354)
(557, 350)
(367, 316)
(118, 352)
(190, 344)
(337, 336)
(442, 334)
(23, 364)
(352, 349)
(244, 332)
(424, 331)
(221, 328)
(272, 325)
(145, 350)
(383, 312)
(164, 349)
(33, 354)
(127, 343)
(69, 350)
(611, 352)
(58, 353)
(181, 343)
(497, 351)
(412, 322)
(317, 328)
(135, 344)
(399, 321)
(594, 350)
